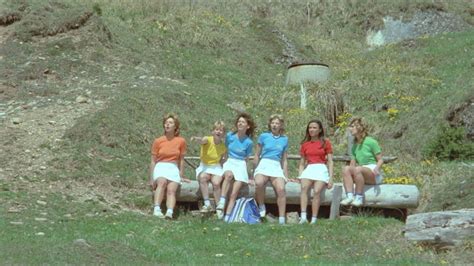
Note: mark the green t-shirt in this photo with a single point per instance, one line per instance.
(364, 153)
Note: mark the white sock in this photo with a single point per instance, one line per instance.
(170, 211)
(314, 219)
(207, 202)
(157, 208)
(303, 216)
(281, 220)
(222, 200)
(350, 195)
(262, 207)
(226, 218)
(359, 196)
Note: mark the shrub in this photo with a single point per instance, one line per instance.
(450, 144)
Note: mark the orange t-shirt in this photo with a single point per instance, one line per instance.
(164, 150)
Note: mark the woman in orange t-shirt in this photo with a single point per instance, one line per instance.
(167, 166)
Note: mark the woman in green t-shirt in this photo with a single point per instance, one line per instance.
(367, 154)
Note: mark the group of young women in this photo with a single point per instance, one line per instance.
(225, 157)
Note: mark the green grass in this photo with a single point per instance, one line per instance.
(122, 238)
(145, 58)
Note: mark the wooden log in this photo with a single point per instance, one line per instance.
(441, 229)
(378, 196)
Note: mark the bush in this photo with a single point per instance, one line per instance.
(450, 144)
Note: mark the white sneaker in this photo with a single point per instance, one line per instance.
(263, 213)
(158, 213)
(358, 202)
(220, 214)
(169, 216)
(303, 221)
(206, 209)
(220, 206)
(347, 201)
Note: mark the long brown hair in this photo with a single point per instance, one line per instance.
(321, 132)
(176, 122)
(251, 130)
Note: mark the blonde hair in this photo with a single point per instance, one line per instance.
(282, 122)
(176, 122)
(219, 124)
(362, 127)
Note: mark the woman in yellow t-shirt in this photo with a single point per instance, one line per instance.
(167, 166)
(212, 155)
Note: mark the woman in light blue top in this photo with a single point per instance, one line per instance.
(272, 165)
(239, 147)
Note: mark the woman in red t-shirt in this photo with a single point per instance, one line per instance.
(167, 166)
(315, 168)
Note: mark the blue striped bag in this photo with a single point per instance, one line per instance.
(245, 211)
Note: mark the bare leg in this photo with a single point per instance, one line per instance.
(318, 187)
(279, 186)
(216, 187)
(260, 181)
(363, 175)
(305, 185)
(228, 178)
(347, 174)
(171, 194)
(233, 196)
(204, 184)
(160, 190)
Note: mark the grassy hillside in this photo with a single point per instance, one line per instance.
(136, 60)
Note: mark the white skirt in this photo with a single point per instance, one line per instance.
(167, 170)
(316, 171)
(213, 169)
(379, 177)
(238, 169)
(271, 168)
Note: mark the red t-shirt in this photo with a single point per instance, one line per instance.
(314, 152)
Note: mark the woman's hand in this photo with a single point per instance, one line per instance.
(252, 182)
(376, 171)
(153, 184)
(329, 184)
(185, 180)
(294, 180)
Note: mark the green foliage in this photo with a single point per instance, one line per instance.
(450, 143)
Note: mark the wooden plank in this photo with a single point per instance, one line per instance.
(336, 202)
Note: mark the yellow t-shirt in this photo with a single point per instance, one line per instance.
(212, 153)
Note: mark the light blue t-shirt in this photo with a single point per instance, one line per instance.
(238, 148)
(272, 147)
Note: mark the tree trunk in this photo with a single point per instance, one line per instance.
(441, 229)
(378, 196)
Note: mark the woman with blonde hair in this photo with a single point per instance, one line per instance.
(272, 165)
(365, 165)
(167, 166)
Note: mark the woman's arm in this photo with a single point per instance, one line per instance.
(301, 165)
(331, 169)
(284, 164)
(379, 163)
(200, 140)
(257, 155)
(152, 168)
(181, 169)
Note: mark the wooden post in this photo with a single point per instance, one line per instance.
(336, 201)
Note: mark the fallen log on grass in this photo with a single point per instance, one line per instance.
(378, 196)
(441, 229)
